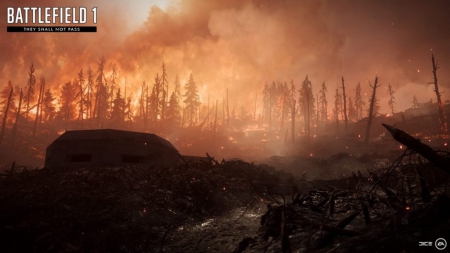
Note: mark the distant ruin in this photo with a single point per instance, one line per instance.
(111, 148)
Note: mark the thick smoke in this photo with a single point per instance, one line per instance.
(240, 45)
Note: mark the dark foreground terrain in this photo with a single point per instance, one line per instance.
(227, 206)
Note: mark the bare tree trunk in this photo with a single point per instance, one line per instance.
(317, 113)
(372, 103)
(421, 148)
(345, 107)
(2, 133)
(16, 122)
(67, 115)
(308, 115)
(293, 121)
(282, 113)
(36, 120)
(270, 109)
(40, 111)
(442, 121)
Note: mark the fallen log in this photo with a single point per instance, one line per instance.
(421, 148)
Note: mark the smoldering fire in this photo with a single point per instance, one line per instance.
(49, 15)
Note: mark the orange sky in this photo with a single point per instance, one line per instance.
(242, 44)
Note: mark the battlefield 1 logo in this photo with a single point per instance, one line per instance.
(51, 15)
(440, 244)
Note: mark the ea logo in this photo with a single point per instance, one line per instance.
(440, 244)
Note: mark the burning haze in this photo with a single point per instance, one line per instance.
(241, 45)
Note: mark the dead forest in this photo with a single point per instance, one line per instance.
(287, 171)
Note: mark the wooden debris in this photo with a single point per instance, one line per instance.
(421, 148)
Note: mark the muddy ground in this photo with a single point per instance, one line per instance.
(373, 205)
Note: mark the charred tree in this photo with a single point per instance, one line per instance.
(39, 106)
(4, 95)
(81, 100)
(118, 110)
(282, 114)
(292, 104)
(112, 86)
(323, 104)
(359, 103)
(29, 96)
(371, 109)
(90, 88)
(173, 110)
(16, 122)
(337, 105)
(5, 116)
(41, 101)
(391, 101)
(351, 109)
(421, 148)
(442, 120)
(317, 112)
(47, 105)
(68, 94)
(192, 100)
(293, 121)
(345, 107)
(164, 91)
(101, 101)
(306, 101)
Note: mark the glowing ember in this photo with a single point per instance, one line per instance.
(311, 154)
(407, 208)
(401, 146)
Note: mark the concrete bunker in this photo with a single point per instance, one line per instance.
(111, 148)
